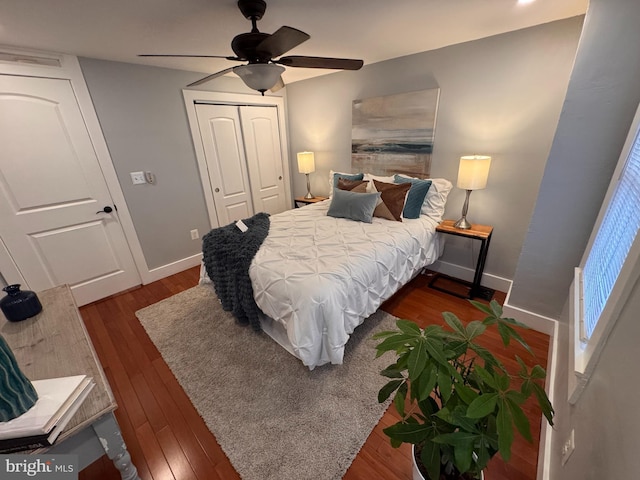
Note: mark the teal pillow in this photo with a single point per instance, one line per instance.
(352, 205)
(354, 176)
(415, 197)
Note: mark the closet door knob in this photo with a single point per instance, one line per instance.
(217, 190)
(280, 177)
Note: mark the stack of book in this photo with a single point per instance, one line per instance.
(40, 426)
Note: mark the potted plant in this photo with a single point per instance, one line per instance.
(459, 404)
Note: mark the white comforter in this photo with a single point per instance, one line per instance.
(320, 276)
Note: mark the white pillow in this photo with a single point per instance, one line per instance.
(436, 199)
(369, 178)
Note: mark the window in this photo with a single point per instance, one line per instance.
(608, 270)
(613, 241)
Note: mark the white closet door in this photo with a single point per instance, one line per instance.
(57, 219)
(223, 144)
(264, 158)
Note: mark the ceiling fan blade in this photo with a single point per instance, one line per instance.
(281, 41)
(187, 56)
(320, 62)
(211, 77)
(278, 85)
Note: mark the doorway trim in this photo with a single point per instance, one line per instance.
(193, 97)
(61, 66)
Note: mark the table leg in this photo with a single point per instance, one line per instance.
(482, 257)
(108, 431)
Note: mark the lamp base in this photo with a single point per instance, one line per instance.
(308, 195)
(462, 224)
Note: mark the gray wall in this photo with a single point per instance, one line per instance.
(142, 114)
(601, 100)
(605, 419)
(499, 96)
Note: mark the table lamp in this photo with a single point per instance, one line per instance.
(306, 165)
(472, 175)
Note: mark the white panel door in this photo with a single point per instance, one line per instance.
(51, 192)
(264, 158)
(222, 140)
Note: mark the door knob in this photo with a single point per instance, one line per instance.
(106, 209)
(217, 190)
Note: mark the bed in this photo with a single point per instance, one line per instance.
(317, 277)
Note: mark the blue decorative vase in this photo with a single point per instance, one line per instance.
(17, 394)
(19, 304)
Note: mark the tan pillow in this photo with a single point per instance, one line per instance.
(393, 197)
(350, 185)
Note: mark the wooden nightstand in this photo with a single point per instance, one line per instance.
(474, 289)
(307, 201)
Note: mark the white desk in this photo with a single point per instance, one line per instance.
(55, 343)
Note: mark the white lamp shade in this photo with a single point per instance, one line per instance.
(306, 163)
(259, 76)
(473, 172)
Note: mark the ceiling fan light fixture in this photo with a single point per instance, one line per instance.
(259, 76)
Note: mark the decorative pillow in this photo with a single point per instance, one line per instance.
(415, 198)
(354, 206)
(393, 199)
(333, 178)
(434, 203)
(352, 185)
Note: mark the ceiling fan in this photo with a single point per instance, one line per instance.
(263, 70)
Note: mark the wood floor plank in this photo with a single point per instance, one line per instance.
(178, 462)
(167, 438)
(200, 463)
(200, 431)
(158, 465)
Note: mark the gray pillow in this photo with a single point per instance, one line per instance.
(354, 206)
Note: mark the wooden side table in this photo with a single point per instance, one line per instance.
(307, 201)
(476, 232)
(55, 343)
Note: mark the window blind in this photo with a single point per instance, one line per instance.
(613, 241)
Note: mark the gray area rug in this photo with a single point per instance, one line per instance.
(274, 418)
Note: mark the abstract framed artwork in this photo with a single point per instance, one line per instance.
(394, 133)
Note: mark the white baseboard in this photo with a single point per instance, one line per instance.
(548, 326)
(464, 273)
(537, 322)
(171, 269)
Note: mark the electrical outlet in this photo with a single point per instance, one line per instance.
(568, 447)
(137, 178)
(195, 234)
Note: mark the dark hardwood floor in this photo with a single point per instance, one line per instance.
(167, 438)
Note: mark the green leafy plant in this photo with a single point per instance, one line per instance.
(456, 399)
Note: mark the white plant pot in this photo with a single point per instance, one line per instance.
(416, 471)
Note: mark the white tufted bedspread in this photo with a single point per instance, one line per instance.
(319, 277)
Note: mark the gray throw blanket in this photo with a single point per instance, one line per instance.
(228, 253)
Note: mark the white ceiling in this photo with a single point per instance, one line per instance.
(372, 30)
